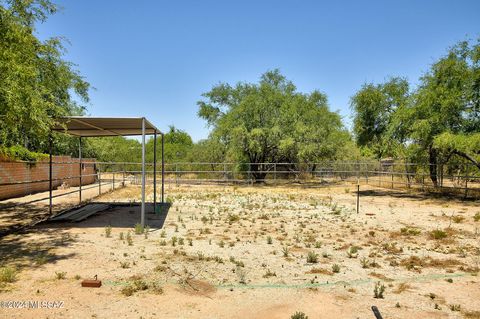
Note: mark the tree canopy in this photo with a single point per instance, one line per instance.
(36, 83)
(438, 120)
(270, 122)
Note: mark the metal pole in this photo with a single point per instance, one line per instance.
(142, 218)
(99, 181)
(80, 166)
(50, 173)
(163, 169)
(358, 198)
(155, 171)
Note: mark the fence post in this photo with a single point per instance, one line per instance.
(176, 174)
(225, 172)
(358, 198)
(275, 173)
(113, 180)
(466, 179)
(123, 176)
(392, 174)
(99, 181)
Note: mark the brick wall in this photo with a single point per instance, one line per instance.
(63, 168)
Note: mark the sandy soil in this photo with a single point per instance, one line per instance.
(242, 252)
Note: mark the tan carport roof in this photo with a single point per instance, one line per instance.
(103, 126)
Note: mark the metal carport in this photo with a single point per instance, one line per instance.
(82, 126)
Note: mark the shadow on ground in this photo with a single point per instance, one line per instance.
(34, 248)
(117, 216)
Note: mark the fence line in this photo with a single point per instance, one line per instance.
(459, 178)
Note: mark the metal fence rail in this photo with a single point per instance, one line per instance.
(460, 179)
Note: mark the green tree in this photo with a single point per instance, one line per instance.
(445, 118)
(36, 83)
(177, 146)
(271, 122)
(375, 123)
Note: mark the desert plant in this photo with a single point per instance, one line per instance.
(60, 275)
(138, 229)
(269, 240)
(438, 234)
(336, 268)
(124, 264)
(352, 252)
(364, 262)
(108, 231)
(285, 251)
(129, 239)
(7, 274)
(378, 290)
(476, 217)
(312, 257)
(120, 236)
(299, 315)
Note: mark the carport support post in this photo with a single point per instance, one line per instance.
(163, 169)
(142, 211)
(80, 166)
(50, 175)
(155, 171)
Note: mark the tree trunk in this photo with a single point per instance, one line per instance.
(433, 165)
(258, 173)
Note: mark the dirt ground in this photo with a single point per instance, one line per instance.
(253, 252)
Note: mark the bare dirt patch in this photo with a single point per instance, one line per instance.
(253, 252)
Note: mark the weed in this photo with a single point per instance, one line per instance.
(269, 240)
(364, 262)
(438, 234)
(7, 274)
(454, 307)
(476, 217)
(299, 315)
(336, 268)
(120, 236)
(138, 229)
(108, 231)
(312, 257)
(352, 252)
(269, 273)
(124, 264)
(378, 290)
(77, 277)
(60, 275)
(458, 219)
(129, 239)
(285, 251)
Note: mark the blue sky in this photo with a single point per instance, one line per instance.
(156, 58)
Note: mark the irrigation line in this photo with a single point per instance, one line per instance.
(355, 282)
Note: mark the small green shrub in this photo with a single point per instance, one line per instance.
(60, 275)
(269, 240)
(476, 217)
(336, 268)
(108, 231)
(299, 315)
(139, 229)
(438, 234)
(129, 239)
(7, 274)
(312, 257)
(378, 290)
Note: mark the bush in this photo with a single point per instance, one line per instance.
(18, 152)
(312, 257)
(378, 290)
(299, 315)
(7, 274)
(438, 234)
